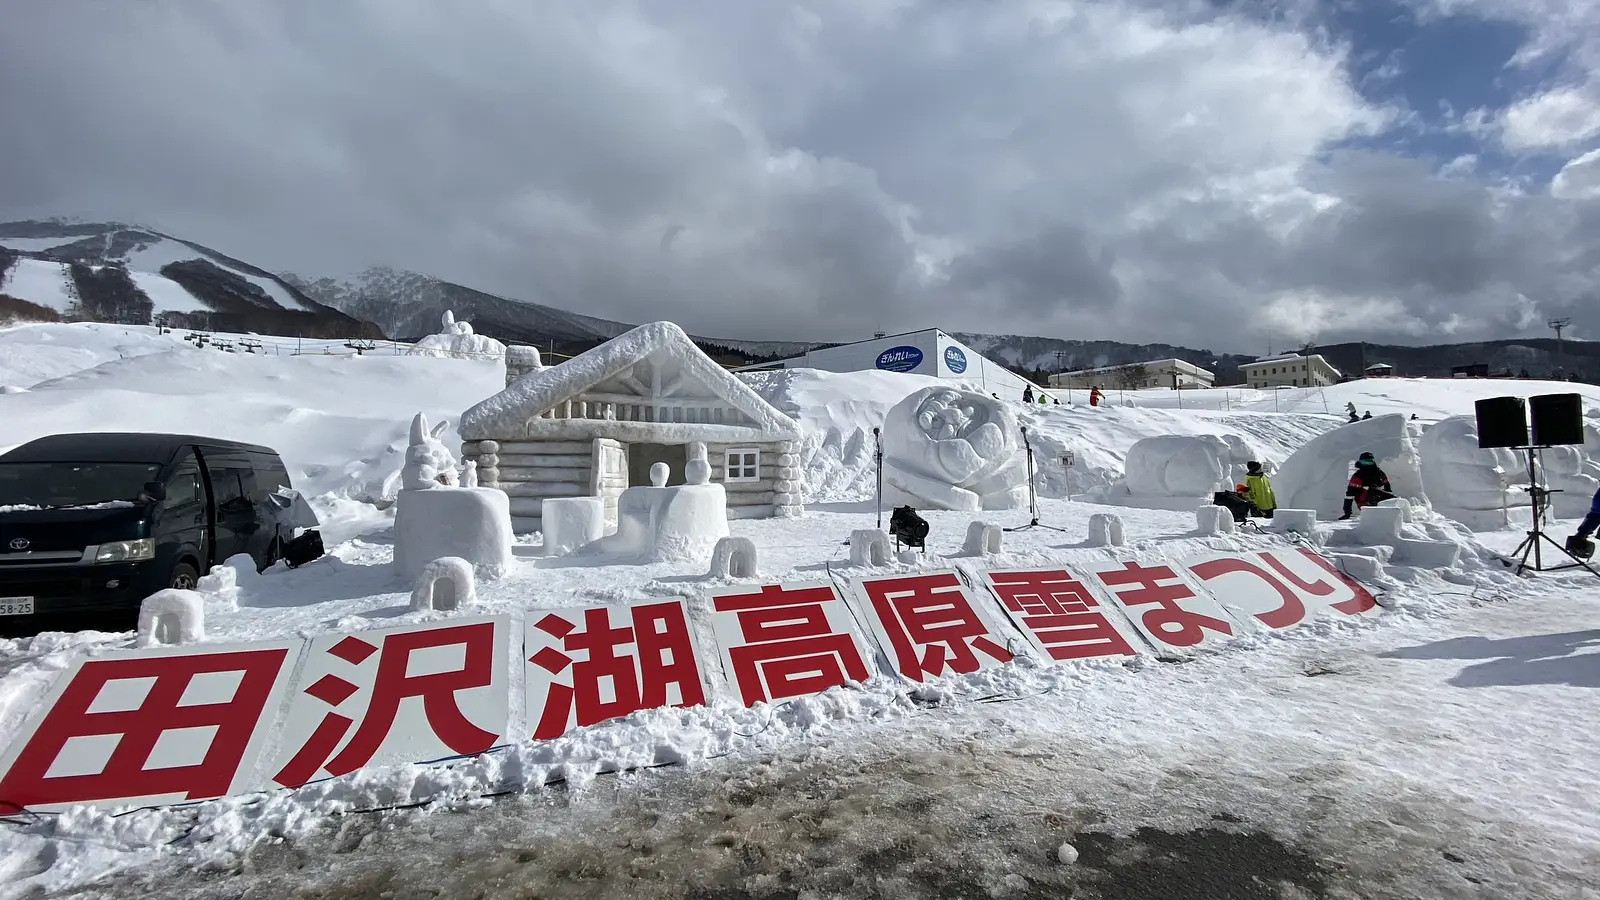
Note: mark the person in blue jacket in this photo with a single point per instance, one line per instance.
(1588, 526)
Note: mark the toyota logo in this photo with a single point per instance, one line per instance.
(19, 543)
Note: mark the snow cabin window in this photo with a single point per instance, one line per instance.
(742, 464)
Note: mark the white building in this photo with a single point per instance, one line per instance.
(1290, 370)
(595, 424)
(1156, 373)
(927, 352)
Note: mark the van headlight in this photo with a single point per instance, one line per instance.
(126, 551)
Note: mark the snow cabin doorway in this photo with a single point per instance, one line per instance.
(642, 456)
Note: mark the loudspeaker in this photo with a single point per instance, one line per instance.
(1502, 422)
(1557, 419)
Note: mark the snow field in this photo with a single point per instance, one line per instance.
(47, 284)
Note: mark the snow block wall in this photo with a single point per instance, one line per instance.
(292, 712)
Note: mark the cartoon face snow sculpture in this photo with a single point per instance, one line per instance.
(429, 463)
(945, 448)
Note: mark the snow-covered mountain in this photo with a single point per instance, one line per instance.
(111, 272)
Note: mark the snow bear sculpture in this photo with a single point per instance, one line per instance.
(1178, 471)
(945, 448)
(1314, 477)
(429, 463)
(1467, 483)
(455, 339)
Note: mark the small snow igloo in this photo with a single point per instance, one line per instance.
(594, 426)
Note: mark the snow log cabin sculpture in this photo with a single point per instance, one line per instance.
(595, 424)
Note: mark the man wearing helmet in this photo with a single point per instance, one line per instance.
(1368, 486)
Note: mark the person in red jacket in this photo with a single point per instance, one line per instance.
(1095, 396)
(1368, 485)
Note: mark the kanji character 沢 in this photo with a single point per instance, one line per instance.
(393, 684)
(1171, 623)
(1361, 599)
(1290, 612)
(150, 707)
(931, 625)
(1060, 612)
(791, 648)
(665, 657)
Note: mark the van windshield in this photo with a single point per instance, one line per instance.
(60, 485)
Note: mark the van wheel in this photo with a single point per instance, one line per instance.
(184, 577)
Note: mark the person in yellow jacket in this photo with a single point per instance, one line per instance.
(1260, 489)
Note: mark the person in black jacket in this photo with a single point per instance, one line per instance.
(1368, 485)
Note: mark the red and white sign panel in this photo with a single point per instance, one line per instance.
(1060, 616)
(1280, 588)
(1160, 603)
(395, 696)
(150, 727)
(590, 664)
(781, 641)
(930, 626)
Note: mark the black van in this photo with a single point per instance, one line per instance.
(91, 524)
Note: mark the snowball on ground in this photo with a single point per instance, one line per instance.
(471, 523)
(172, 616)
(1315, 476)
(445, 584)
(667, 524)
(945, 448)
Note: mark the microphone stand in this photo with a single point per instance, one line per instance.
(1033, 493)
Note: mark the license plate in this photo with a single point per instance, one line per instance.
(16, 606)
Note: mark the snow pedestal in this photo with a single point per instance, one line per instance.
(1315, 476)
(1383, 526)
(446, 584)
(1215, 520)
(869, 547)
(945, 448)
(1105, 530)
(1297, 521)
(1406, 514)
(983, 539)
(172, 616)
(473, 524)
(571, 522)
(733, 557)
(668, 524)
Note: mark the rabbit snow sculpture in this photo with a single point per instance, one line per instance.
(429, 463)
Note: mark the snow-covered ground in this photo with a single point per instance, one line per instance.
(1438, 749)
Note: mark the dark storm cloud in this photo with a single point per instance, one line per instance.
(784, 170)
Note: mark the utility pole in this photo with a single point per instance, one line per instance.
(1558, 325)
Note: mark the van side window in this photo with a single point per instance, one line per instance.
(184, 486)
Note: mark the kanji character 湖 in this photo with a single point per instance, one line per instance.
(931, 625)
(144, 704)
(393, 684)
(665, 657)
(791, 648)
(1059, 611)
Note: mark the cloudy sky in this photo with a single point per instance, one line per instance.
(1206, 173)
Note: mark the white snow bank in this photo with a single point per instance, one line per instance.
(33, 353)
(42, 283)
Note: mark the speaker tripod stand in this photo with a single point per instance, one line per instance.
(1532, 545)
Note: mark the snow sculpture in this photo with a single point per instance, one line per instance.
(429, 463)
(446, 584)
(1295, 521)
(1564, 472)
(1215, 520)
(1467, 483)
(572, 522)
(945, 448)
(1178, 471)
(222, 584)
(1384, 526)
(455, 339)
(869, 547)
(733, 557)
(1314, 477)
(520, 360)
(434, 518)
(172, 616)
(983, 539)
(469, 473)
(1105, 530)
(667, 524)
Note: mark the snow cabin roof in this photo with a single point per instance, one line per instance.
(659, 347)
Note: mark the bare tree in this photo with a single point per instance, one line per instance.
(1133, 376)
